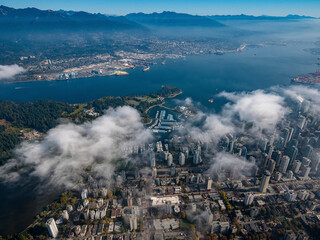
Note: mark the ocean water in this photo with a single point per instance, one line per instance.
(200, 77)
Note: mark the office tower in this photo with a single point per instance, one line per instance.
(280, 143)
(270, 151)
(265, 181)
(154, 172)
(254, 170)
(296, 166)
(305, 106)
(196, 157)
(263, 144)
(244, 152)
(305, 171)
(186, 152)
(169, 160)
(84, 194)
(276, 155)
(293, 142)
(172, 170)
(308, 151)
(198, 179)
(133, 222)
(209, 184)
(315, 162)
(289, 174)
(286, 135)
(278, 176)
(265, 159)
(271, 165)
(182, 159)
(291, 196)
(152, 160)
(299, 100)
(52, 228)
(303, 195)
(301, 122)
(231, 145)
(284, 164)
(248, 200)
(293, 152)
(306, 161)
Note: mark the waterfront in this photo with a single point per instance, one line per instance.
(200, 77)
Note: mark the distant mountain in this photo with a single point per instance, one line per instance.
(173, 19)
(33, 19)
(263, 17)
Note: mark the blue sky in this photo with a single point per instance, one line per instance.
(200, 7)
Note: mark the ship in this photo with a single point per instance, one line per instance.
(210, 100)
(146, 69)
(120, 73)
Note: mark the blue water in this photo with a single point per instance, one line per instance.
(200, 77)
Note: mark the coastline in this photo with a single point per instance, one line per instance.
(158, 105)
(239, 49)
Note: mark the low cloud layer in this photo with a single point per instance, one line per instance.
(310, 96)
(263, 110)
(260, 109)
(9, 71)
(208, 128)
(227, 165)
(69, 148)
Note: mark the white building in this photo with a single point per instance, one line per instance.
(284, 164)
(209, 184)
(182, 159)
(265, 181)
(52, 228)
(65, 215)
(133, 222)
(84, 194)
(248, 200)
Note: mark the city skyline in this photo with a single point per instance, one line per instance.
(202, 7)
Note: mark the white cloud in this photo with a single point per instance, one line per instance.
(263, 110)
(9, 71)
(208, 128)
(309, 95)
(67, 149)
(225, 163)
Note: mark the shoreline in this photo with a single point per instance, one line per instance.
(239, 49)
(158, 105)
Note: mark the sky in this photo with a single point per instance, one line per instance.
(199, 7)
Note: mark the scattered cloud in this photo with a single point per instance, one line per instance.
(69, 148)
(311, 96)
(263, 110)
(9, 71)
(227, 165)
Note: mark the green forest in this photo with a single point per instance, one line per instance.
(44, 114)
